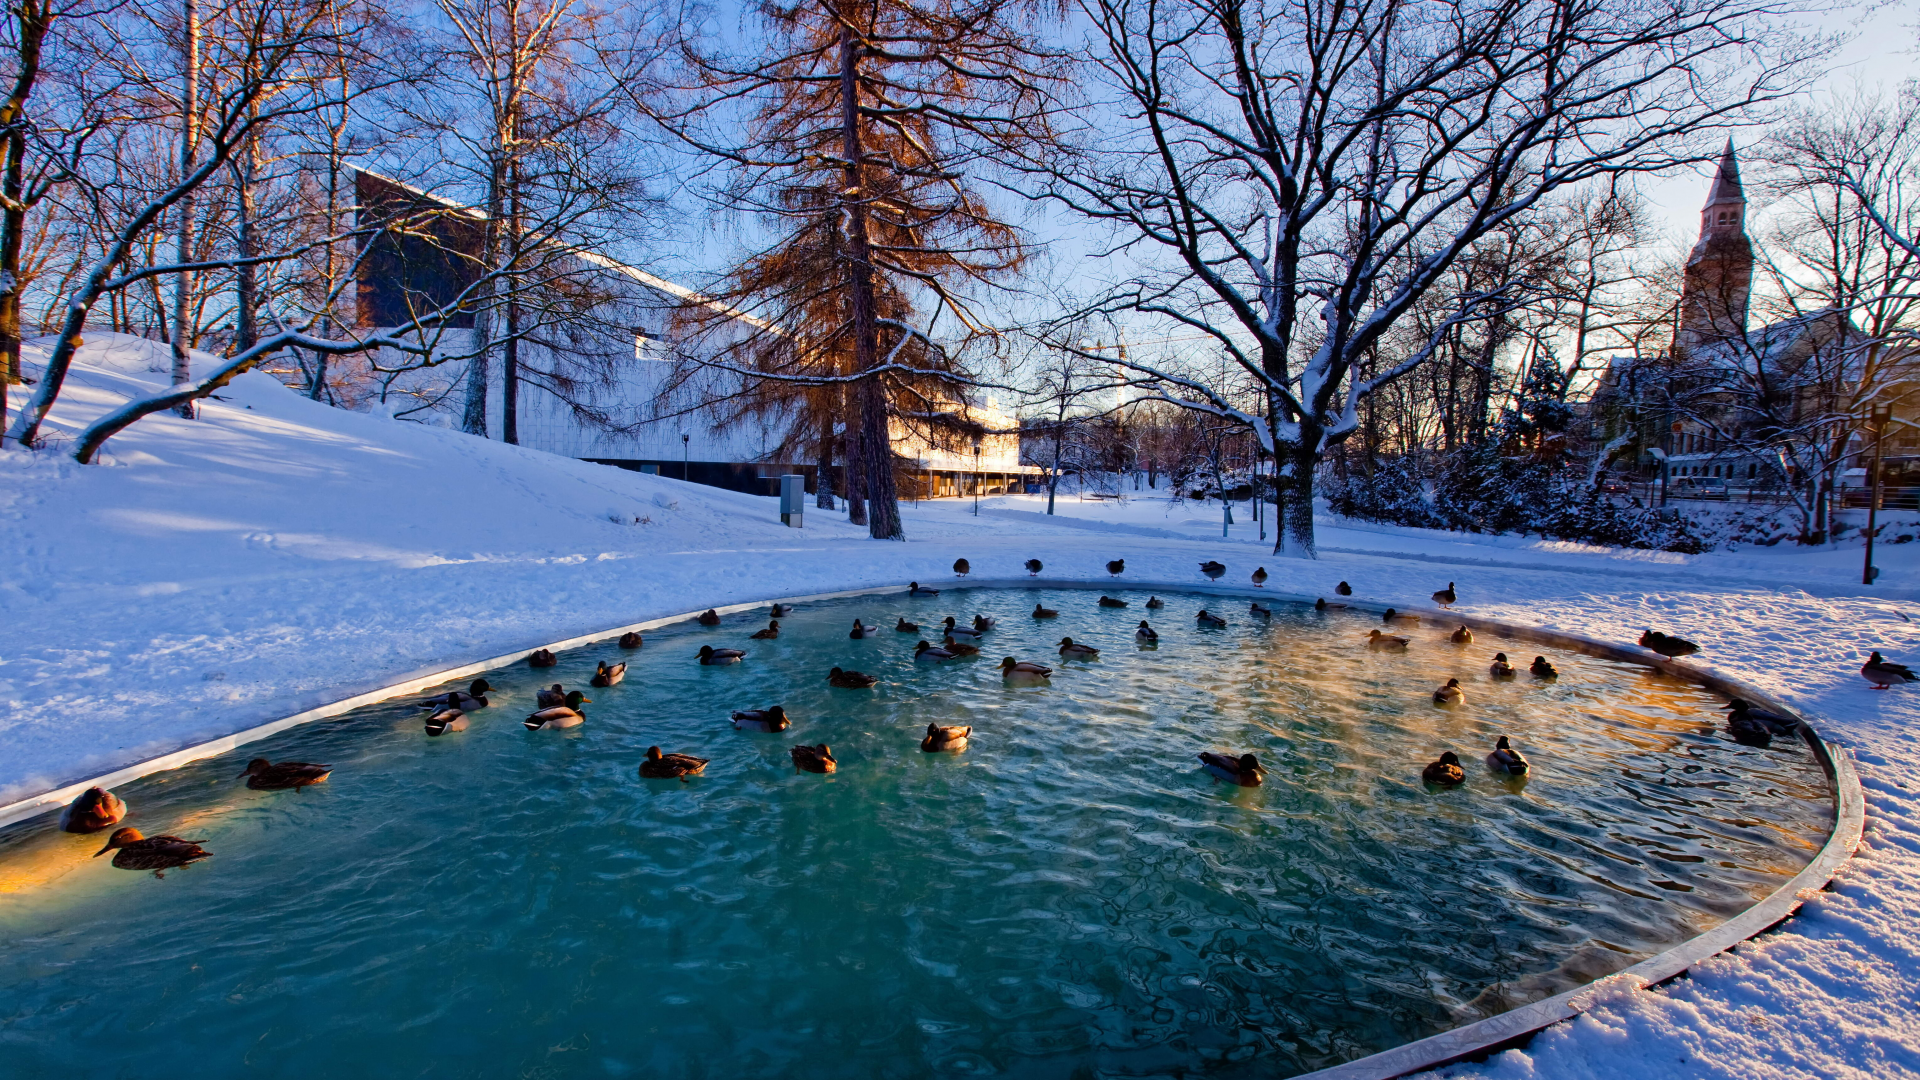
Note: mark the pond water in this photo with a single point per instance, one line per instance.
(1072, 896)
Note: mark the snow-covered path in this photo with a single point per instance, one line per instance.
(277, 554)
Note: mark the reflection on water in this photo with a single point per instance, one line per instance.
(1070, 896)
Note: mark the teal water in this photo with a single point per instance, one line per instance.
(1071, 897)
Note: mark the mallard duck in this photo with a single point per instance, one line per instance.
(930, 653)
(1462, 636)
(1445, 597)
(1505, 759)
(1034, 566)
(1212, 569)
(1343, 589)
(541, 658)
(610, 674)
(1779, 725)
(156, 853)
(1111, 601)
(263, 775)
(713, 657)
(1500, 669)
(659, 766)
(1322, 605)
(1666, 644)
(1543, 669)
(780, 611)
(630, 640)
(92, 810)
(954, 629)
(945, 739)
(814, 759)
(550, 699)
(1446, 772)
(1748, 730)
(961, 568)
(1393, 617)
(1117, 567)
(1883, 673)
(709, 617)
(1021, 671)
(444, 720)
(473, 697)
(1207, 618)
(851, 680)
(772, 631)
(567, 714)
(982, 624)
(1380, 642)
(914, 588)
(1154, 602)
(959, 648)
(1073, 650)
(1259, 612)
(1145, 632)
(1259, 577)
(1244, 770)
(1450, 694)
(769, 719)
(1044, 612)
(905, 627)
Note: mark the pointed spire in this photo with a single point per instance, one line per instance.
(1726, 185)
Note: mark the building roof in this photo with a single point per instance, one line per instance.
(1726, 183)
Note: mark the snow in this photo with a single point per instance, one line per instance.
(276, 554)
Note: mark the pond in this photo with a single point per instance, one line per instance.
(1071, 896)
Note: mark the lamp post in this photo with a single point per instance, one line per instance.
(686, 454)
(976, 478)
(1877, 422)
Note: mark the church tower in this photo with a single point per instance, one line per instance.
(1719, 277)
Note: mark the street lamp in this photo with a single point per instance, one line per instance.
(1877, 422)
(686, 455)
(976, 478)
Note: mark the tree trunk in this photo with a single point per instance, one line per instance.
(510, 355)
(823, 470)
(1293, 524)
(13, 222)
(246, 230)
(883, 513)
(189, 143)
(856, 472)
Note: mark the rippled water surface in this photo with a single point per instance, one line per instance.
(1073, 896)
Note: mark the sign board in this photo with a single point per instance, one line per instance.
(793, 499)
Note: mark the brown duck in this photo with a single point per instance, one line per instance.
(709, 617)
(96, 808)
(608, 674)
(813, 759)
(945, 739)
(132, 851)
(541, 658)
(264, 775)
(851, 680)
(659, 766)
(772, 631)
(630, 640)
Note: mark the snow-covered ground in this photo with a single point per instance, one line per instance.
(276, 554)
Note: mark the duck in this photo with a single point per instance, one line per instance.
(1462, 636)
(905, 627)
(1748, 730)
(541, 658)
(1044, 612)
(134, 851)
(954, 629)
(1146, 633)
(1395, 617)
(1322, 605)
(445, 720)
(1450, 694)
(950, 740)
(961, 568)
(263, 775)
(959, 648)
(779, 611)
(1154, 602)
(659, 766)
(1380, 642)
(1259, 577)
(1110, 601)
(567, 714)
(851, 680)
(550, 699)
(1445, 597)
(769, 719)
(1073, 650)
(1207, 618)
(1445, 772)
(1542, 668)
(814, 759)
(914, 588)
(1501, 669)
(1343, 589)
(1213, 569)
(630, 640)
(1259, 612)
(473, 697)
(862, 630)
(713, 657)
(982, 624)
(92, 810)
(611, 674)
(772, 631)
(930, 653)
(709, 617)
(1667, 645)
(1117, 567)
(1021, 671)
(1505, 759)
(1034, 566)
(1779, 725)
(1883, 673)
(1244, 770)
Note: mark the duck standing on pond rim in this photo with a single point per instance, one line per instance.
(1445, 597)
(1034, 566)
(1213, 569)
(1883, 673)
(541, 658)
(1259, 577)
(1117, 567)
(1445, 772)
(709, 617)
(945, 739)
(961, 568)
(156, 853)
(851, 680)
(1500, 668)
(1543, 669)
(1505, 759)
(1667, 645)
(813, 759)
(659, 766)
(264, 775)
(772, 631)
(1244, 770)
(1343, 589)
(610, 674)
(630, 640)
(94, 809)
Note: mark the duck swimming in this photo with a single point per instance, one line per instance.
(1380, 642)
(1667, 645)
(959, 648)
(1259, 577)
(445, 720)
(1450, 694)
(611, 674)
(1146, 633)
(769, 719)
(954, 629)
(1748, 730)
(851, 680)
(264, 775)
(1244, 770)
(1023, 672)
(905, 627)
(1462, 636)
(156, 853)
(1543, 669)
(92, 810)
(567, 714)
(814, 759)
(1044, 612)
(1259, 612)
(780, 611)
(1343, 589)
(541, 658)
(772, 631)
(1883, 673)
(708, 617)
(1073, 650)
(1207, 618)
(931, 654)
(713, 657)
(1155, 602)
(630, 640)
(1500, 669)
(1109, 601)
(1034, 566)
(1213, 569)
(548, 699)
(1779, 725)
(473, 697)
(659, 766)
(862, 630)
(1505, 759)
(961, 568)
(982, 624)
(945, 739)
(1322, 605)
(1117, 567)
(1445, 597)
(914, 588)
(1393, 617)
(1445, 772)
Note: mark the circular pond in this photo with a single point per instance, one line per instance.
(1071, 896)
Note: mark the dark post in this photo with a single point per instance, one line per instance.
(686, 456)
(1878, 419)
(976, 478)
